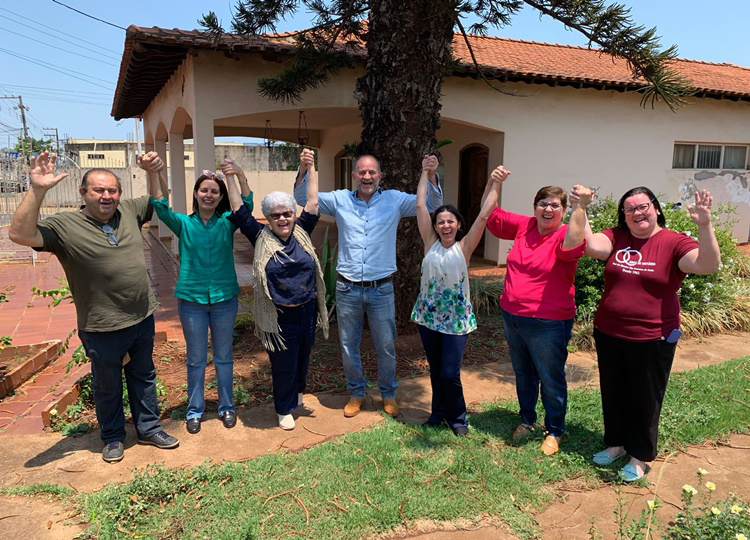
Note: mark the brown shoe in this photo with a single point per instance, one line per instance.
(353, 407)
(391, 407)
(551, 445)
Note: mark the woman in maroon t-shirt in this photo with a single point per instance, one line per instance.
(636, 327)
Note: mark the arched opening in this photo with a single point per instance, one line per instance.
(472, 179)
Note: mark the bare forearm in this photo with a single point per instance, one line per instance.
(311, 207)
(235, 199)
(709, 256)
(576, 228)
(244, 185)
(23, 224)
(489, 199)
(154, 186)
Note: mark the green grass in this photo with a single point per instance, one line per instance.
(393, 475)
(53, 490)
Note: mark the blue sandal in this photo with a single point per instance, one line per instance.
(603, 457)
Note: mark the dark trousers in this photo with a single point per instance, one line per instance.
(106, 351)
(633, 377)
(445, 353)
(289, 366)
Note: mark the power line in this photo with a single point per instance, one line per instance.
(59, 90)
(67, 100)
(117, 53)
(60, 48)
(89, 16)
(22, 57)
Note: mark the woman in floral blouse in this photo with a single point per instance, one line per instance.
(443, 310)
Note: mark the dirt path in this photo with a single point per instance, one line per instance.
(76, 462)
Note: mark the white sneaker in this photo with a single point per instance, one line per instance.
(286, 421)
(299, 399)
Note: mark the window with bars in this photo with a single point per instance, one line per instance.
(709, 156)
(95, 156)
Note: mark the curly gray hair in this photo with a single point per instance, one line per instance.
(277, 199)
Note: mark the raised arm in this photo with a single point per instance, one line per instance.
(489, 203)
(577, 225)
(424, 221)
(230, 168)
(307, 160)
(42, 178)
(235, 197)
(707, 258)
(153, 165)
(598, 246)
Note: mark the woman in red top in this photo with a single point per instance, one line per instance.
(538, 306)
(636, 327)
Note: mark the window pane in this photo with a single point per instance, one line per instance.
(735, 157)
(684, 156)
(709, 157)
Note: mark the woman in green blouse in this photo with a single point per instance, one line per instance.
(207, 288)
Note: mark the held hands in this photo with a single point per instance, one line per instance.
(430, 164)
(42, 173)
(700, 212)
(582, 196)
(151, 162)
(229, 168)
(306, 161)
(499, 175)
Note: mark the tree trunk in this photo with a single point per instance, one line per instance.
(409, 52)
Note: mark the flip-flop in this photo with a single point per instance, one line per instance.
(603, 457)
(630, 474)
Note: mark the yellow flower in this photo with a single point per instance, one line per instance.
(740, 536)
(702, 471)
(736, 509)
(715, 511)
(53, 412)
(687, 488)
(711, 486)
(651, 504)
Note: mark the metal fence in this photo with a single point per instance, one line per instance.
(63, 197)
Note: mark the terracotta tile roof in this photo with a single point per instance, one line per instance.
(152, 55)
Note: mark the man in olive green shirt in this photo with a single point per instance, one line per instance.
(100, 249)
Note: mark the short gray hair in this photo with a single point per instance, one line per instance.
(277, 199)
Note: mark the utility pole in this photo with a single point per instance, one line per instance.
(25, 135)
(57, 139)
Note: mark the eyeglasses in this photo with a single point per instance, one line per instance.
(278, 215)
(111, 238)
(641, 208)
(544, 204)
(213, 175)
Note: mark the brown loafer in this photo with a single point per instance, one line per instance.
(353, 407)
(550, 446)
(391, 407)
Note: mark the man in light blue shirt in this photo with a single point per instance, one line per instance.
(367, 221)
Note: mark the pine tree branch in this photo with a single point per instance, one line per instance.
(479, 68)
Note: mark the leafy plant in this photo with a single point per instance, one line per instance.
(5, 341)
(328, 259)
(56, 295)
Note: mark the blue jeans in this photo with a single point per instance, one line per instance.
(196, 319)
(289, 366)
(352, 302)
(538, 351)
(106, 351)
(445, 353)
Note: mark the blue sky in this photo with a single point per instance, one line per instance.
(74, 93)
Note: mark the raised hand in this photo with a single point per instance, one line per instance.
(151, 162)
(306, 161)
(499, 174)
(581, 195)
(700, 212)
(430, 163)
(230, 168)
(42, 173)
